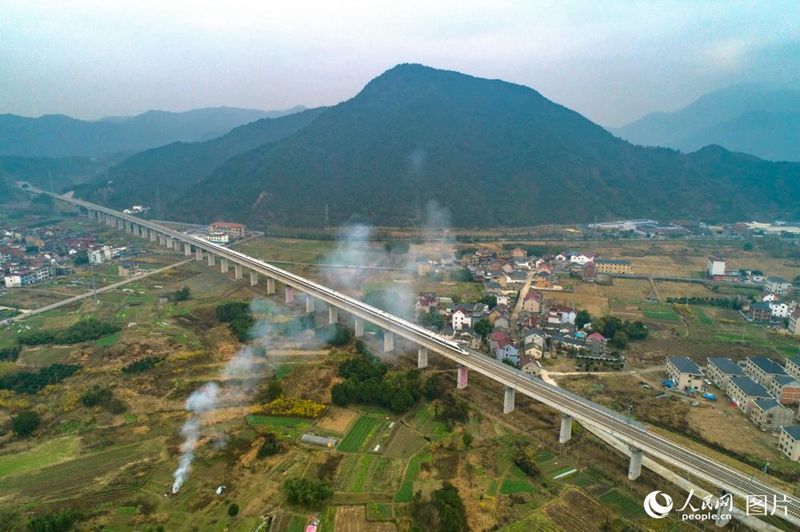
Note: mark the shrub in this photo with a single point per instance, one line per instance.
(233, 510)
(24, 423)
(271, 445)
(10, 353)
(32, 382)
(294, 407)
(142, 365)
(82, 331)
(452, 513)
(227, 312)
(103, 397)
(61, 521)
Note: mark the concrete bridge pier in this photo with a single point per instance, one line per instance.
(120, 223)
(289, 291)
(462, 378)
(223, 265)
(111, 221)
(508, 399)
(237, 271)
(253, 278)
(635, 469)
(333, 315)
(310, 306)
(171, 243)
(270, 286)
(187, 249)
(212, 261)
(153, 237)
(566, 428)
(359, 327)
(388, 341)
(198, 254)
(422, 357)
(161, 239)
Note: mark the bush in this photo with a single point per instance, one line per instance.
(181, 295)
(24, 423)
(524, 460)
(452, 513)
(61, 521)
(306, 492)
(294, 408)
(233, 509)
(142, 365)
(82, 331)
(103, 397)
(335, 334)
(10, 353)
(32, 382)
(271, 445)
(227, 312)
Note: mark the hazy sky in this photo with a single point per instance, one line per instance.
(612, 61)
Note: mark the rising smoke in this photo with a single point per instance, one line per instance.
(239, 377)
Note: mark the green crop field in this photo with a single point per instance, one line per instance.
(109, 340)
(46, 454)
(510, 487)
(365, 429)
(406, 492)
(659, 311)
(290, 422)
(626, 506)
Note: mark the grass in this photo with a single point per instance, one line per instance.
(297, 524)
(7, 368)
(46, 454)
(510, 487)
(282, 371)
(406, 492)
(361, 432)
(289, 422)
(327, 519)
(659, 311)
(107, 341)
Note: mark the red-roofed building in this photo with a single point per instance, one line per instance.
(532, 302)
(229, 228)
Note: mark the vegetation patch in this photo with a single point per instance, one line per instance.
(294, 408)
(512, 486)
(32, 382)
(291, 422)
(363, 430)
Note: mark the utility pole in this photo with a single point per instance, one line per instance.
(91, 269)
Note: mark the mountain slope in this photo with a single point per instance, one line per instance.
(759, 120)
(492, 152)
(62, 136)
(45, 172)
(156, 176)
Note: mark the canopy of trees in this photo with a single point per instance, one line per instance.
(82, 331)
(366, 381)
(334, 334)
(142, 365)
(10, 353)
(32, 382)
(306, 491)
(103, 397)
(452, 513)
(238, 317)
(609, 326)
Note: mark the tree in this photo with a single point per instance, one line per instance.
(483, 327)
(271, 445)
(462, 275)
(467, 438)
(233, 509)
(620, 340)
(81, 259)
(452, 513)
(582, 318)
(24, 423)
(182, 295)
(432, 389)
(274, 390)
(748, 246)
(490, 300)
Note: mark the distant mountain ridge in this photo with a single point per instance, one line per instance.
(62, 136)
(492, 153)
(756, 119)
(159, 175)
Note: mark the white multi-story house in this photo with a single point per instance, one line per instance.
(716, 266)
(780, 309)
(461, 319)
(778, 285)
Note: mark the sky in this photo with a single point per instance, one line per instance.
(612, 61)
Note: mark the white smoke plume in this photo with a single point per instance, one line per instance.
(239, 376)
(354, 248)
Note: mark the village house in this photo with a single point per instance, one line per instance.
(760, 312)
(589, 271)
(762, 369)
(789, 442)
(425, 302)
(721, 369)
(231, 229)
(781, 309)
(581, 258)
(785, 388)
(128, 269)
(778, 285)
(743, 390)
(715, 266)
(462, 317)
(596, 343)
(769, 415)
(794, 322)
(532, 302)
(496, 338)
(530, 366)
(793, 367)
(502, 323)
(619, 267)
(519, 253)
(684, 373)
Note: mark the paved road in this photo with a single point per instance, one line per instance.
(621, 427)
(108, 288)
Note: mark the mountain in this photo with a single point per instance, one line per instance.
(62, 136)
(490, 152)
(157, 176)
(47, 172)
(756, 119)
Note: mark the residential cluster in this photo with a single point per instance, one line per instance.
(766, 392)
(654, 229)
(32, 255)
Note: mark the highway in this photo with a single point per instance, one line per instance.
(621, 427)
